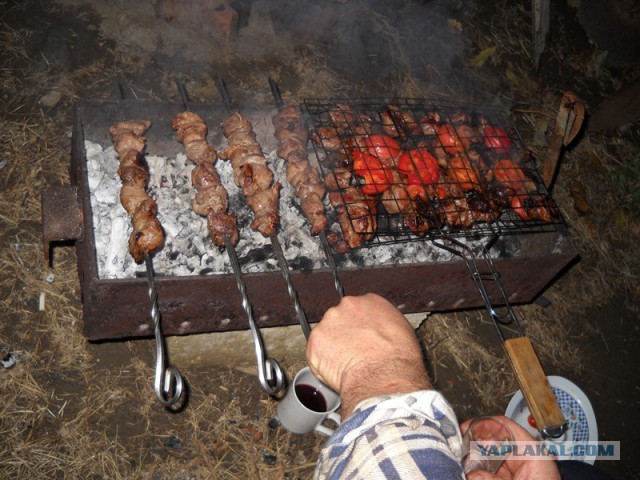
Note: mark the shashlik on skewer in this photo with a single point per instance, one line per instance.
(291, 133)
(251, 172)
(211, 199)
(129, 142)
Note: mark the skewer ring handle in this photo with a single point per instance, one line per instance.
(271, 376)
(169, 389)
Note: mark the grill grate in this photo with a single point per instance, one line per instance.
(405, 169)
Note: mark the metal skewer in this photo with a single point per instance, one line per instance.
(284, 268)
(275, 242)
(270, 374)
(277, 96)
(168, 383)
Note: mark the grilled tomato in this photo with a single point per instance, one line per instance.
(497, 139)
(376, 177)
(419, 166)
(384, 147)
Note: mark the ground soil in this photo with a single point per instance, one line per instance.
(74, 409)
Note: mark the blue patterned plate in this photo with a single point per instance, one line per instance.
(576, 408)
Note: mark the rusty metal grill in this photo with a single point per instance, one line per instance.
(487, 185)
(112, 308)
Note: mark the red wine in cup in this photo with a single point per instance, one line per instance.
(311, 397)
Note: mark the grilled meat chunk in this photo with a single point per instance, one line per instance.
(129, 142)
(147, 235)
(305, 180)
(251, 172)
(356, 215)
(211, 199)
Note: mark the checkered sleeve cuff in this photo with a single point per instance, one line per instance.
(410, 436)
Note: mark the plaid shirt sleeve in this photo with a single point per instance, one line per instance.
(411, 436)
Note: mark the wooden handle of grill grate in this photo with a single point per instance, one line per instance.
(535, 387)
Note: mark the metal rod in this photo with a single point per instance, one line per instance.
(224, 92)
(284, 267)
(324, 241)
(270, 374)
(183, 93)
(168, 384)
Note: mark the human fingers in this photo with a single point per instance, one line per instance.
(366, 337)
(359, 330)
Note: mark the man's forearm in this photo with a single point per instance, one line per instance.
(372, 380)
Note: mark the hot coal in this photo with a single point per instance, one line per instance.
(188, 249)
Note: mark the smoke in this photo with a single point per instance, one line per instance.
(352, 47)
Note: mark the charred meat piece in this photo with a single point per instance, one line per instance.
(482, 207)
(264, 204)
(291, 132)
(338, 179)
(251, 172)
(356, 215)
(147, 235)
(467, 135)
(396, 199)
(221, 225)
(129, 142)
(417, 223)
(328, 138)
(456, 212)
(192, 133)
(510, 175)
(131, 196)
(429, 123)
(211, 199)
(399, 124)
(348, 122)
(136, 127)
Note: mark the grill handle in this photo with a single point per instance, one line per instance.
(61, 217)
(535, 387)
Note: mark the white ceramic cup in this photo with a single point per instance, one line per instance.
(307, 404)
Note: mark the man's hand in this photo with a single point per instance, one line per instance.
(365, 347)
(518, 469)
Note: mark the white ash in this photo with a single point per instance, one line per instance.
(188, 249)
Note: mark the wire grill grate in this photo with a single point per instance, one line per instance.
(405, 169)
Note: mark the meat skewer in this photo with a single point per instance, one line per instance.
(292, 136)
(254, 177)
(211, 200)
(320, 219)
(146, 237)
(264, 200)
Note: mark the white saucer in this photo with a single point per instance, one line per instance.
(574, 405)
